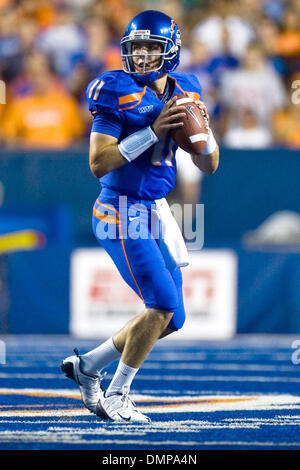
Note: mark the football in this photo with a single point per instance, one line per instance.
(192, 136)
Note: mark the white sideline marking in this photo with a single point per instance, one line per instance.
(217, 378)
(223, 356)
(68, 438)
(184, 426)
(214, 366)
(178, 366)
(31, 376)
(173, 378)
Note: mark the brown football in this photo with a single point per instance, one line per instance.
(192, 136)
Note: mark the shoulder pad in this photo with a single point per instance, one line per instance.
(188, 82)
(101, 93)
(195, 82)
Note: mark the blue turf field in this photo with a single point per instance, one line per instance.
(238, 394)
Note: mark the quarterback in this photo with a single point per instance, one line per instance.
(133, 155)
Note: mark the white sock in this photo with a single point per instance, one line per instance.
(100, 357)
(123, 377)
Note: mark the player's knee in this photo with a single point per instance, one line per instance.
(178, 319)
(163, 317)
(176, 323)
(163, 293)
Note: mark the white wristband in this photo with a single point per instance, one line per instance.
(137, 143)
(211, 144)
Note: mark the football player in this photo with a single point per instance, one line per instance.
(132, 154)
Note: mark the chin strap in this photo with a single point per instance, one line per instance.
(148, 78)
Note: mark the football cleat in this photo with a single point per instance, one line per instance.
(120, 407)
(89, 385)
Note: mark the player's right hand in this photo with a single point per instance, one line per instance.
(169, 118)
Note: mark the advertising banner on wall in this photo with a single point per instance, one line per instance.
(101, 302)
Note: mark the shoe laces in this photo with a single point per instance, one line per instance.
(100, 377)
(126, 398)
(96, 381)
(92, 387)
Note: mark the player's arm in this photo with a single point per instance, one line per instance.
(104, 155)
(207, 162)
(107, 153)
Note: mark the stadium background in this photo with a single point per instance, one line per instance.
(237, 392)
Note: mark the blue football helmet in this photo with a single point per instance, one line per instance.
(152, 26)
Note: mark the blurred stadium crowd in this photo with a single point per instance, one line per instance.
(246, 55)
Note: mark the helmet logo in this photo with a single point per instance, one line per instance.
(173, 26)
(140, 34)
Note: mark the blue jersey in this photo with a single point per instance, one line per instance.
(122, 106)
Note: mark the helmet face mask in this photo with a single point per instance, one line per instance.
(150, 28)
(144, 56)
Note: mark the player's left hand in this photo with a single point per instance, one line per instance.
(204, 109)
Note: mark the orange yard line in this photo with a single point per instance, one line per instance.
(160, 402)
(60, 405)
(41, 394)
(19, 412)
(164, 404)
(77, 396)
(194, 402)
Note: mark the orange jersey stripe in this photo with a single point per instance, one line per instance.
(128, 264)
(123, 246)
(110, 219)
(130, 98)
(111, 208)
(191, 94)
